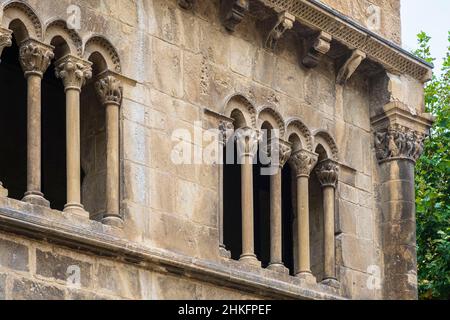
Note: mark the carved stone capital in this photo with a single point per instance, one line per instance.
(247, 140)
(226, 130)
(109, 89)
(398, 142)
(279, 152)
(186, 4)
(232, 12)
(35, 57)
(319, 46)
(5, 39)
(399, 134)
(284, 22)
(73, 71)
(328, 173)
(303, 162)
(350, 66)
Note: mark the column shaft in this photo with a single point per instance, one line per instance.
(329, 243)
(303, 255)
(73, 149)
(248, 241)
(276, 259)
(112, 164)
(34, 136)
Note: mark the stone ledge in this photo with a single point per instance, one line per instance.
(93, 237)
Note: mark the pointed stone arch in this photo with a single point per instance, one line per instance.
(101, 47)
(325, 140)
(240, 103)
(17, 14)
(299, 131)
(58, 28)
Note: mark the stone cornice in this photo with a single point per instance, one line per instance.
(94, 238)
(320, 17)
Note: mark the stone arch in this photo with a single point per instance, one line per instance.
(100, 50)
(270, 115)
(324, 140)
(298, 131)
(21, 18)
(241, 104)
(57, 29)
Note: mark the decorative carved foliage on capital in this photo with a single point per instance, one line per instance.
(303, 162)
(186, 4)
(109, 90)
(350, 66)
(5, 39)
(398, 142)
(319, 47)
(35, 57)
(328, 173)
(226, 130)
(279, 152)
(247, 141)
(73, 71)
(232, 12)
(284, 22)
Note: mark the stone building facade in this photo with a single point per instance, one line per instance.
(100, 97)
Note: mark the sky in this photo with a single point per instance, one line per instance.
(431, 16)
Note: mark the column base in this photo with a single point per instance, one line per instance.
(331, 282)
(3, 191)
(278, 267)
(250, 259)
(77, 210)
(113, 221)
(224, 253)
(36, 198)
(307, 276)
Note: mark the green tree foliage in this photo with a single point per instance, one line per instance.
(433, 186)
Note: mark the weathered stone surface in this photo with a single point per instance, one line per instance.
(24, 289)
(173, 63)
(60, 267)
(14, 255)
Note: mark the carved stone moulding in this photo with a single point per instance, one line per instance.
(5, 39)
(318, 47)
(400, 135)
(186, 4)
(318, 17)
(232, 12)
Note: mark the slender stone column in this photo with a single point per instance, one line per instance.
(279, 153)
(303, 162)
(226, 130)
(399, 138)
(35, 58)
(247, 145)
(5, 41)
(109, 90)
(74, 72)
(328, 172)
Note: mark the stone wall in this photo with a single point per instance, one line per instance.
(177, 63)
(366, 12)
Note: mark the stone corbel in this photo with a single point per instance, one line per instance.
(399, 134)
(232, 12)
(186, 4)
(318, 48)
(284, 22)
(5, 39)
(350, 66)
